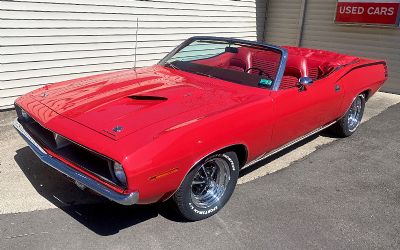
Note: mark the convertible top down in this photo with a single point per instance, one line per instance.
(182, 129)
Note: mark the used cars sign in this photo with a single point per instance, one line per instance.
(378, 12)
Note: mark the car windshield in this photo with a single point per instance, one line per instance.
(237, 61)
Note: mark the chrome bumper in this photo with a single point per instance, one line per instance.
(124, 199)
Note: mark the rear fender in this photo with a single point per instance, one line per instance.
(367, 75)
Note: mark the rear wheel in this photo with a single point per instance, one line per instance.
(349, 123)
(208, 186)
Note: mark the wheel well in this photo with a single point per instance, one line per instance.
(239, 149)
(366, 94)
(241, 152)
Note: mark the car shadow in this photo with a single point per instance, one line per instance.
(98, 214)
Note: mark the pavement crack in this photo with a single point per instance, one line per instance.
(23, 235)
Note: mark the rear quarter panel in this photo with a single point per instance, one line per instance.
(366, 75)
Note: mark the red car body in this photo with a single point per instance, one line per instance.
(172, 119)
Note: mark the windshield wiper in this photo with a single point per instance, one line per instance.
(171, 65)
(203, 74)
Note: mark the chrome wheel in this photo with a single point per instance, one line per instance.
(210, 182)
(355, 114)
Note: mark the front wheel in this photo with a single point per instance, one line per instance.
(348, 124)
(208, 186)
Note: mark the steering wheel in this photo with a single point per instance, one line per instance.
(260, 72)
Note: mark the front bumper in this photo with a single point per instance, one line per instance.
(124, 199)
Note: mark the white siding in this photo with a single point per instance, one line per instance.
(45, 41)
(282, 23)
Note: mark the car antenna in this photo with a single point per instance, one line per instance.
(137, 28)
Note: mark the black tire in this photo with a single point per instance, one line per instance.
(185, 198)
(344, 127)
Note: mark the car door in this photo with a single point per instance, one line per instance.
(298, 112)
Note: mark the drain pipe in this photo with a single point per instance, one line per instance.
(265, 21)
(301, 22)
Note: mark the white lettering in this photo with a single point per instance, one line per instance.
(348, 10)
(351, 10)
(231, 161)
(380, 11)
(203, 212)
(383, 11)
(390, 11)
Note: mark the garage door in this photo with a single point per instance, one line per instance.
(320, 31)
(380, 43)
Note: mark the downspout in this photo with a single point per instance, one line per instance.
(265, 20)
(301, 22)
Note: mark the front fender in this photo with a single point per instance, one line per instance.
(158, 167)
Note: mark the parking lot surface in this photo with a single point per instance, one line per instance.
(328, 193)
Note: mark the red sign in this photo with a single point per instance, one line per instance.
(368, 12)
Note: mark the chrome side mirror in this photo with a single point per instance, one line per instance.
(303, 82)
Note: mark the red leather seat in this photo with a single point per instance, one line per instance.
(267, 61)
(302, 67)
(316, 63)
(288, 82)
(236, 64)
(240, 61)
(312, 69)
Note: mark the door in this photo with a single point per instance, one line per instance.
(298, 112)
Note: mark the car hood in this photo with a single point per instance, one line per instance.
(120, 103)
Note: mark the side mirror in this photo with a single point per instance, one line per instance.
(303, 82)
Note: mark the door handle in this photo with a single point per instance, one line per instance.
(337, 88)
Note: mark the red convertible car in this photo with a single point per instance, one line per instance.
(184, 128)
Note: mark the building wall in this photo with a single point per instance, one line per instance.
(282, 22)
(319, 31)
(45, 41)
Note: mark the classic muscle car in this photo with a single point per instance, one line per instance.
(184, 128)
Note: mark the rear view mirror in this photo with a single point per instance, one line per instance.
(232, 50)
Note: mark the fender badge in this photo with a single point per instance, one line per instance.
(118, 129)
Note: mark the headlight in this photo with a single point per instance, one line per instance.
(119, 173)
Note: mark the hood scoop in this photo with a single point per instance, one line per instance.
(147, 98)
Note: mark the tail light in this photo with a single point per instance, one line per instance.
(386, 71)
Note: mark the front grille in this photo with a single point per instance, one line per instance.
(86, 159)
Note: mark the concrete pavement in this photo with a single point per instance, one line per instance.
(335, 194)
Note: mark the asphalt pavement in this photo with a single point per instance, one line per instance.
(343, 194)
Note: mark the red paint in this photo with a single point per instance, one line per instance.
(378, 12)
(200, 116)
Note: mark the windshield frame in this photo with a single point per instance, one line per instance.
(282, 51)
